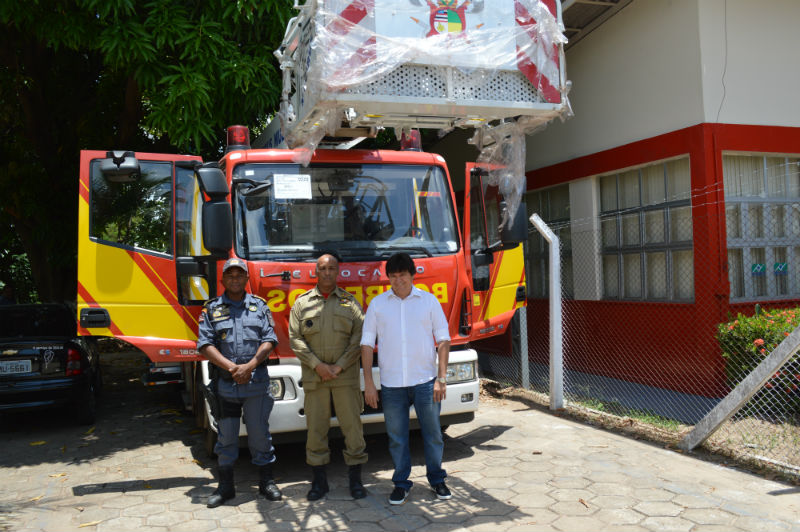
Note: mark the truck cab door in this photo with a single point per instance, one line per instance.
(495, 261)
(139, 229)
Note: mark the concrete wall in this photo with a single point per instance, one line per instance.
(662, 65)
(636, 76)
(749, 61)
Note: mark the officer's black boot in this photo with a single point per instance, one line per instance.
(319, 484)
(356, 487)
(266, 484)
(225, 491)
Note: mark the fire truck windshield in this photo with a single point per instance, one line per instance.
(290, 212)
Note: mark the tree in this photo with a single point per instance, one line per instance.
(159, 75)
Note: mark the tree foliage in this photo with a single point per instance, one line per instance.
(157, 75)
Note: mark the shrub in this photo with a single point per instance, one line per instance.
(747, 340)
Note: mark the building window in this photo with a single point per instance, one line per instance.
(646, 233)
(552, 205)
(762, 215)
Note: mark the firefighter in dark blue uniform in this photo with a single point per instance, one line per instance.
(236, 335)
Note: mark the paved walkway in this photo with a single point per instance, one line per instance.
(515, 467)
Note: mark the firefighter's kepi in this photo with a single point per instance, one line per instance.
(236, 335)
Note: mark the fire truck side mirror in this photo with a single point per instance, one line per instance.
(212, 181)
(120, 167)
(217, 228)
(516, 230)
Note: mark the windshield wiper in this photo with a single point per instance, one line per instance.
(407, 249)
(256, 187)
(302, 252)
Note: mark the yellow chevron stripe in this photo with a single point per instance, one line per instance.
(502, 295)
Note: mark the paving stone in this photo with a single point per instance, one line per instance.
(531, 489)
(495, 482)
(143, 510)
(611, 477)
(537, 465)
(614, 501)
(371, 515)
(619, 516)
(194, 525)
(571, 494)
(667, 524)
(570, 482)
(707, 516)
(610, 488)
(694, 501)
(658, 508)
(571, 523)
(653, 494)
(124, 523)
(403, 522)
(502, 472)
(573, 508)
(527, 501)
(760, 524)
(622, 528)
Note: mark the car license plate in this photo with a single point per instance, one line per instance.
(7, 367)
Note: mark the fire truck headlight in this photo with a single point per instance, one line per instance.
(460, 372)
(279, 389)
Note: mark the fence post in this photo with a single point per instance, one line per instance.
(524, 366)
(743, 392)
(556, 333)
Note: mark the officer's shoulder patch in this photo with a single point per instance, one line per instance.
(210, 303)
(305, 294)
(259, 298)
(344, 294)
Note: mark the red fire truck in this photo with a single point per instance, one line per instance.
(154, 228)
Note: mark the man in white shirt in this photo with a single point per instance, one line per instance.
(405, 321)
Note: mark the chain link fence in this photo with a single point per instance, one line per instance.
(670, 301)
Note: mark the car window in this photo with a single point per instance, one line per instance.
(26, 321)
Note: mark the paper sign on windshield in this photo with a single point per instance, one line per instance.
(291, 186)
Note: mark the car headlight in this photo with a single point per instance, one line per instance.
(279, 390)
(460, 372)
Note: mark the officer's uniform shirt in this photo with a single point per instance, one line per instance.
(327, 330)
(237, 329)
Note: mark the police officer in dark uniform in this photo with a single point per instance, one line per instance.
(236, 335)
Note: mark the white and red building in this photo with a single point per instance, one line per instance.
(675, 188)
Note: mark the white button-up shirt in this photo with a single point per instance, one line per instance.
(405, 330)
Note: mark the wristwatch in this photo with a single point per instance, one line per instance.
(441, 380)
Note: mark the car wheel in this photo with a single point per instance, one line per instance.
(87, 408)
